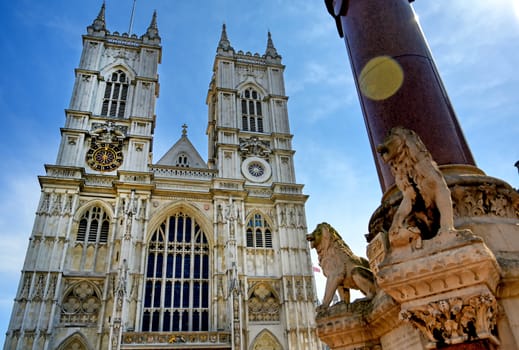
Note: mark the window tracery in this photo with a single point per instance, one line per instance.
(258, 232)
(116, 92)
(251, 111)
(89, 253)
(182, 160)
(176, 296)
(80, 305)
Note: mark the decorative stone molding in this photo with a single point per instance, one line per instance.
(455, 320)
(489, 197)
(440, 266)
(108, 132)
(254, 147)
(192, 338)
(472, 196)
(358, 325)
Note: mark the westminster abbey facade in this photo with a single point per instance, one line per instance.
(181, 253)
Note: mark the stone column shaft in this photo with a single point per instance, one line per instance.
(397, 81)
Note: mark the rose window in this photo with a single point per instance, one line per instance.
(256, 169)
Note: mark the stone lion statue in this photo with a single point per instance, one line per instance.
(342, 268)
(424, 191)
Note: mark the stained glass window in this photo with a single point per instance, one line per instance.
(176, 294)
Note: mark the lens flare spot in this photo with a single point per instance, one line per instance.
(381, 78)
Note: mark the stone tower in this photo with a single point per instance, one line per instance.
(126, 253)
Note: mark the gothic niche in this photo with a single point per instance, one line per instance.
(454, 320)
(81, 304)
(265, 340)
(75, 342)
(426, 207)
(263, 304)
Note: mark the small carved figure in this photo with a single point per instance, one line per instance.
(342, 268)
(424, 190)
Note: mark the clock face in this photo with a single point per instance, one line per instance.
(256, 169)
(104, 156)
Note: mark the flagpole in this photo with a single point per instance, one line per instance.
(131, 18)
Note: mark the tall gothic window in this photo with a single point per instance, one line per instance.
(89, 251)
(258, 234)
(176, 296)
(116, 91)
(251, 115)
(93, 226)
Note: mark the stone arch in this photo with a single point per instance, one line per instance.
(109, 69)
(263, 303)
(74, 342)
(89, 253)
(265, 215)
(259, 230)
(81, 210)
(250, 82)
(265, 340)
(177, 271)
(181, 206)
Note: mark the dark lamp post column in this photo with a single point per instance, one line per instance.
(396, 79)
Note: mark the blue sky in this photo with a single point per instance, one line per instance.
(474, 44)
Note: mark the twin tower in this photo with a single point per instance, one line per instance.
(131, 253)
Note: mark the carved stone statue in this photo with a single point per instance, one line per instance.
(424, 190)
(342, 268)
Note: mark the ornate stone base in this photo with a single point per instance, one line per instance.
(358, 325)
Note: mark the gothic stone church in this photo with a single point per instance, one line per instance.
(128, 253)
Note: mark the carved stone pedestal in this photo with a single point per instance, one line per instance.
(358, 325)
(446, 288)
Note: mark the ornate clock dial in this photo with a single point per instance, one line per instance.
(256, 169)
(104, 157)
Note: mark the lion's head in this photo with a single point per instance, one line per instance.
(394, 144)
(401, 143)
(324, 235)
(316, 237)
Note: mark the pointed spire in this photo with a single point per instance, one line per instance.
(153, 24)
(98, 25)
(224, 44)
(271, 51)
(152, 32)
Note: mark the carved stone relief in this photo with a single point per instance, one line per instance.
(80, 304)
(263, 305)
(253, 146)
(426, 207)
(455, 320)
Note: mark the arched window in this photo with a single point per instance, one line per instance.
(251, 115)
(258, 234)
(93, 226)
(176, 296)
(89, 251)
(116, 91)
(182, 160)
